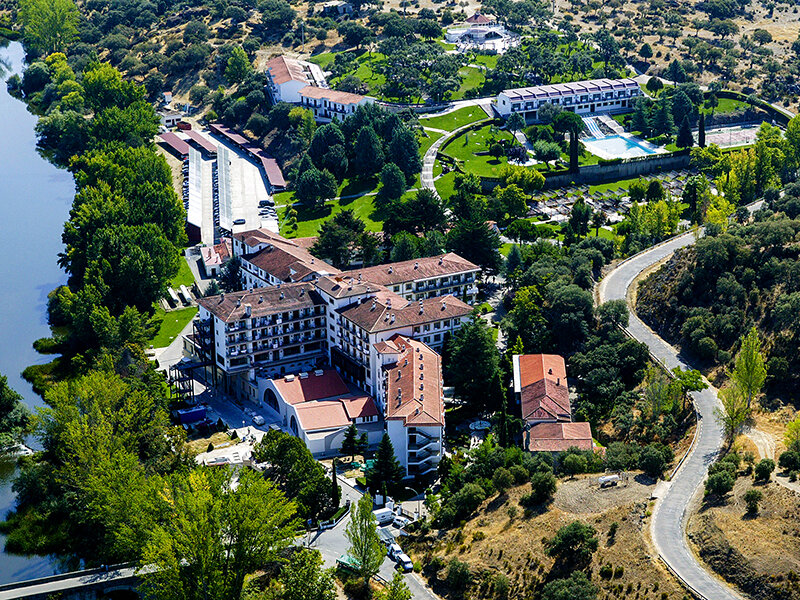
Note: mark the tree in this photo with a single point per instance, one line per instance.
(572, 546)
(404, 152)
(14, 417)
(277, 14)
(405, 246)
(574, 464)
(387, 471)
(339, 237)
(764, 469)
(315, 186)
(762, 36)
(513, 200)
(515, 122)
(598, 220)
(473, 361)
(543, 487)
(646, 52)
(685, 138)
(238, 67)
(355, 34)
(752, 497)
(792, 436)
(49, 25)
(719, 211)
(652, 461)
(546, 151)
(368, 158)
(690, 380)
(579, 217)
(701, 131)
(350, 442)
(655, 191)
(396, 590)
(749, 371)
(214, 533)
(230, 278)
(366, 548)
(720, 483)
(573, 124)
(393, 180)
(662, 121)
(303, 578)
(472, 239)
(576, 587)
(734, 412)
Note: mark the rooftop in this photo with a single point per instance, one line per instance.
(318, 93)
(479, 19)
(282, 258)
(283, 69)
(414, 382)
(569, 89)
(317, 386)
(411, 270)
(557, 437)
(541, 381)
(386, 313)
(262, 301)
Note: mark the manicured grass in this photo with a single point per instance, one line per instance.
(184, 276)
(446, 45)
(310, 218)
(612, 186)
(505, 249)
(171, 324)
(427, 142)
(726, 105)
(487, 60)
(454, 120)
(445, 185)
(472, 79)
(466, 145)
(323, 59)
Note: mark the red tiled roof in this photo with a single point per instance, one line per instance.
(326, 414)
(557, 437)
(534, 367)
(479, 19)
(411, 270)
(414, 383)
(262, 301)
(375, 314)
(314, 387)
(282, 69)
(359, 407)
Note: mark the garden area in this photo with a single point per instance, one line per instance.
(170, 324)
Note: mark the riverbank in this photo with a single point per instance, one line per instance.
(34, 203)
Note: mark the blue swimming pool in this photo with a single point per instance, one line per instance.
(617, 146)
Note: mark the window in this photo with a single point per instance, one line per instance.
(437, 337)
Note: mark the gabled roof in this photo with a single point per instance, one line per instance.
(282, 69)
(261, 301)
(479, 19)
(393, 312)
(557, 437)
(414, 383)
(541, 381)
(412, 270)
(318, 93)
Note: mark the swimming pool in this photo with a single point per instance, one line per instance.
(617, 146)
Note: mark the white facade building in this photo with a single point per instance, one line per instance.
(328, 105)
(287, 76)
(582, 97)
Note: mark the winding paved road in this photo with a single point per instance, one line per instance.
(670, 513)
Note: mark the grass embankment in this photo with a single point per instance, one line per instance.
(466, 147)
(453, 120)
(184, 276)
(170, 324)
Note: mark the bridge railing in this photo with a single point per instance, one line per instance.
(62, 577)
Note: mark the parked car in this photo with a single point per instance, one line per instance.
(400, 522)
(404, 562)
(239, 221)
(258, 419)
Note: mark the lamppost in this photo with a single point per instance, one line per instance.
(419, 501)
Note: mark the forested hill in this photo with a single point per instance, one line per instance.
(707, 296)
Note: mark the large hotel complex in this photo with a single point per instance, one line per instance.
(324, 348)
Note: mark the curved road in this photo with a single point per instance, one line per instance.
(669, 517)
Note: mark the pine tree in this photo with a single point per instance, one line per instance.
(663, 123)
(368, 158)
(350, 442)
(336, 491)
(640, 120)
(386, 471)
(685, 139)
(701, 131)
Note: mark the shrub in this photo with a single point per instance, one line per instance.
(501, 586)
(652, 461)
(621, 456)
(612, 529)
(752, 498)
(719, 484)
(543, 487)
(764, 469)
(459, 576)
(606, 571)
(574, 464)
(502, 479)
(519, 473)
(789, 461)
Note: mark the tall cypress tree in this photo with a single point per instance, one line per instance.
(685, 139)
(387, 472)
(701, 131)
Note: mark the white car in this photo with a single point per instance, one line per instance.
(258, 419)
(404, 562)
(394, 551)
(400, 522)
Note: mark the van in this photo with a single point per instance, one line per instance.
(404, 562)
(383, 516)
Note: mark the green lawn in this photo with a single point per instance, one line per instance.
(309, 218)
(427, 142)
(487, 60)
(323, 59)
(505, 249)
(171, 324)
(466, 145)
(184, 276)
(472, 79)
(454, 120)
(445, 185)
(726, 105)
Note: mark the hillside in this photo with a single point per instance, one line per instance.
(502, 543)
(707, 296)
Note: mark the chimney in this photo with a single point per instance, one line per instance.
(391, 320)
(279, 285)
(359, 278)
(391, 269)
(302, 291)
(281, 295)
(261, 299)
(221, 298)
(374, 304)
(312, 260)
(388, 303)
(441, 260)
(248, 310)
(416, 264)
(550, 372)
(238, 302)
(558, 380)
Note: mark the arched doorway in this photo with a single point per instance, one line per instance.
(271, 400)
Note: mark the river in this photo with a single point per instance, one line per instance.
(35, 198)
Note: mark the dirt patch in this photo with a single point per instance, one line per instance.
(760, 555)
(501, 540)
(585, 496)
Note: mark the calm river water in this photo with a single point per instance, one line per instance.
(35, 198)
